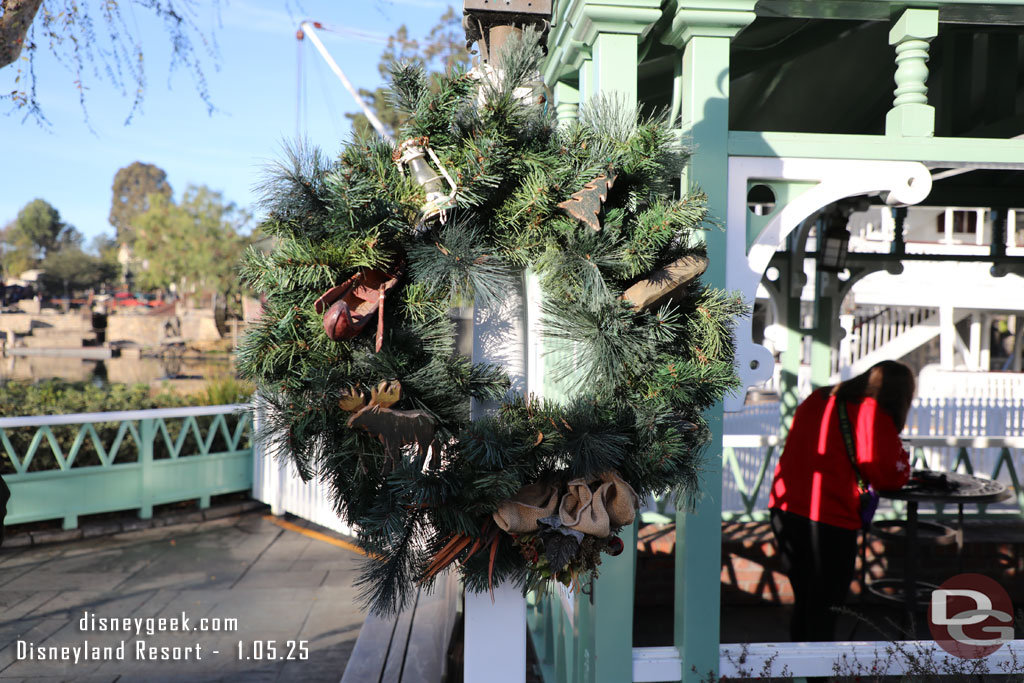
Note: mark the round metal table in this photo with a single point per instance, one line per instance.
(962, 489)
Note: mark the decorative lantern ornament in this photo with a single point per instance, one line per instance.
(834, 242)
(412, 153)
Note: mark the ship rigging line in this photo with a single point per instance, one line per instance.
(308, 27)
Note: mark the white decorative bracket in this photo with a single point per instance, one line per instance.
(826, 181)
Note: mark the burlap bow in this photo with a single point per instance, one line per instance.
(595, 506)
(519, 514)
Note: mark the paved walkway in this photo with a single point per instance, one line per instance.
(290, 593)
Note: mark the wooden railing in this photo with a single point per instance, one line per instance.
(947, 434)
(874, 327)
(749, 461)
(66, 466)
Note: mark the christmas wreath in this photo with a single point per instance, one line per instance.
(355, 358)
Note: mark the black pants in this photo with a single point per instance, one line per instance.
(5, 495)
(819, 560)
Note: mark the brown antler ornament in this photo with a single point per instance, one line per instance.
(393, 428)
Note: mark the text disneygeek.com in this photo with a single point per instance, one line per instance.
(143, 650)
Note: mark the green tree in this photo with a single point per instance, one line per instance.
(15, 255)
(38, 227)
(442, 49)
(72, 269)
(132, 189)
(37, 232)
(194, 244)
(100, 39)
(106, 248)
(38, 238)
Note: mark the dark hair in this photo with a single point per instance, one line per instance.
(890, 382)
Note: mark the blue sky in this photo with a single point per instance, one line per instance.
(254, 90)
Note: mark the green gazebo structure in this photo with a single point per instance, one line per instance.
(801, 108)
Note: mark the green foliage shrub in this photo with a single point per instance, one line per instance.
(225, 390)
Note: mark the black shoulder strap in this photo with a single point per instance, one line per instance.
(851, 447)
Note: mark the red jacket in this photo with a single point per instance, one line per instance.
(814, 478)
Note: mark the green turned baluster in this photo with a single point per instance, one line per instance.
(911, 115)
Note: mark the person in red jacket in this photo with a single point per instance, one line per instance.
(814, 503)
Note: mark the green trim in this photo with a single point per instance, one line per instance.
(590, 19)
(576, 25)
(749, 496)
(963, 462)
(708, 18)
(1006, 12)
(955, 151)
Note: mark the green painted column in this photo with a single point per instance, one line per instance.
(704, 31)
(615, 66)
(586, 78)
(790, 284)
(147, 436)
(612, 29)
(567, 102)
(604, 618)
(825, 321)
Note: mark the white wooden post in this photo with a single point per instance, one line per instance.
(495, 636)
(974, 363)
(846, 354)
(947, 334)
(985, 357)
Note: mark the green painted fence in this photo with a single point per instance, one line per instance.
(749, 464)
(66, 466)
